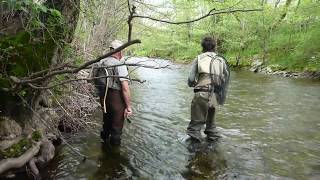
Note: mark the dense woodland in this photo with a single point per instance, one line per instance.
(44, 44)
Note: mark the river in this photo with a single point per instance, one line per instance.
(270, 128)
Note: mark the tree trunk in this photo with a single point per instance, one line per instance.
(282, 16)
(48, 42)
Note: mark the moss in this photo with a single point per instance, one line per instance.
(36, 135)
(21, 147)
(17, 149)
(25, 54)
(31, 50)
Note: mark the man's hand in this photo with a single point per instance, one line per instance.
(126, 97)
(128, 112)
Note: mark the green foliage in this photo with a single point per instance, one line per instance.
(36, 135)
(31, 48)
(168, 47)
(23, 55)
(290, 43)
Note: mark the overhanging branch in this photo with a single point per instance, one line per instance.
(82, 79)
(211, 13)
(39, 77)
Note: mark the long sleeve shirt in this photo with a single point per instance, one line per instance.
(193, 74)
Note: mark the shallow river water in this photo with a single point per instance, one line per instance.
(270, 128)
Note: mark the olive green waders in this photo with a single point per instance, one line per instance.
(203, 112)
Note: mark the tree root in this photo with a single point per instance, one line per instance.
(46, 154)
(18, 162)
(38, 155)
(4, 144)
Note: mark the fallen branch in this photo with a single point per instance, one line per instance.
(135, 65)
(58, 67)
(82, 79)
(39, 77)
(18, 162)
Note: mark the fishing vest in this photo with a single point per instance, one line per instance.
(210, 68)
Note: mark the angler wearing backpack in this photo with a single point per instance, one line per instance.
(114, 94)
(210, 77)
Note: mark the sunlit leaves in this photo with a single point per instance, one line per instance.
(291, 41)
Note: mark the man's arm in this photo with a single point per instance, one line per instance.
(122, 71)
(126, 93)
(193, 74)
(127, 98)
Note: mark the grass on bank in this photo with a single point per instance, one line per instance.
(290, 51)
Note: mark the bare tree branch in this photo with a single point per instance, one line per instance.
(132, 11)
(102, 67)
(134, 64)
(59, 66)
(82, 79)
(39, 76)
(210, 13)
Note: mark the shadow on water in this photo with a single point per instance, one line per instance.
(113, 164)
(206, 161)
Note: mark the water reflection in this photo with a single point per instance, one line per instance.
(113, 164)
(206, 161)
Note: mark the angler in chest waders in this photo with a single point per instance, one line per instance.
(114, 94)
(209, 77)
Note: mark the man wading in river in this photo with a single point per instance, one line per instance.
(114, 94)
(209, 76)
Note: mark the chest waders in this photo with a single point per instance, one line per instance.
(113, 108)
(210, 84)
(114, 73)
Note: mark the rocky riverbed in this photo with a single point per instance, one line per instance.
(258, 67)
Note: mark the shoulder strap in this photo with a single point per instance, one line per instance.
(225, 61)
(211, 68)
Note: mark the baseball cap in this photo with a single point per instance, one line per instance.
(115, 44)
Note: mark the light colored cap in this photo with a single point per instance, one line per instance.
(115, 44)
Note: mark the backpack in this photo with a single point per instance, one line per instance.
(220, 82)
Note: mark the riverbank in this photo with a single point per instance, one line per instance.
(274, 69)
(29, 147)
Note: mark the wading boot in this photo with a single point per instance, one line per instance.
(213, 138)
(104, 136)
(115, 141)
(195, 137)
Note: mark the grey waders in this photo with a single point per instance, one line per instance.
(212, 76)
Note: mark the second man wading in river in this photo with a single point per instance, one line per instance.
(114, 94)
(209, 76)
